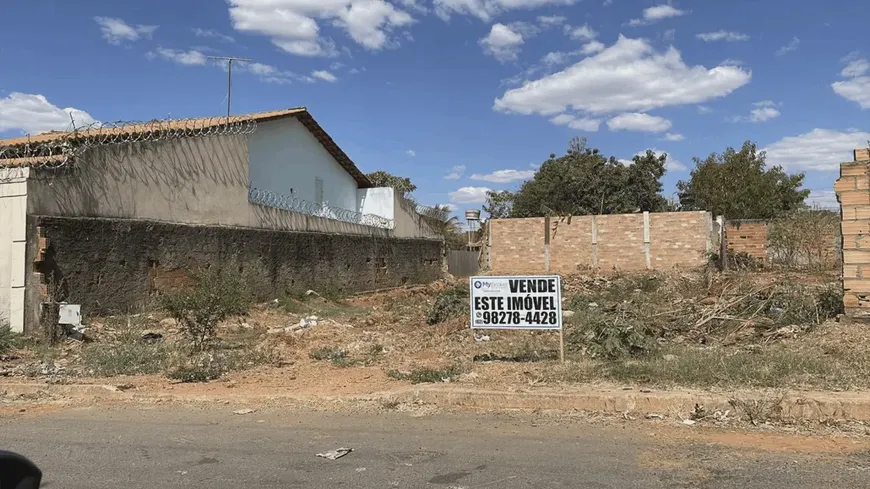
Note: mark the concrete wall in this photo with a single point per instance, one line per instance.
(748, 237)
(286, 158)
(201, 180)
(622, 241)
(409, 224)
(378, 201)
(115, 265)
(13, 207)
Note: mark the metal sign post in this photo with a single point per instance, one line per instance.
(531, 302)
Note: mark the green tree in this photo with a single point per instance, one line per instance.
(498, 203)
(737, 185)
(584, 182)
(439, 218)
(403, 185)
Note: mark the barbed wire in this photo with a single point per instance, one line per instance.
(269, 198)
(60, 148)
(437, 213)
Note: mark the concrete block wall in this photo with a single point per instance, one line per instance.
(853, 192)
(118, 265)
(607, 242)
(748, 237)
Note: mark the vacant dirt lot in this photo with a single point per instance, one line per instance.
(747, 329)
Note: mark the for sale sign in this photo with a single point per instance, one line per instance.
(531, 302)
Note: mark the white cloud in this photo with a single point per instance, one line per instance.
(823, 199)
(555, 58)
(504, 176)
(765, 110)
(857, 87)
(654, 14)
(580, 124)
(817, 150)
(212, 34)
(669, 35)
(638, 122)
(762, 114)
(672, 136)
(628, 76)
(324, 75)
(266, 73)
(116, 31)
(551, 20)
(486, 9)
(411, 153)
(187, 58)
(292, 25)
(592, 47)
(722, 35)
(455, 173)
(33, 113)
(502, 43)
(584, 32)
(469, 195)
(791, 46)
(856, 67)
(703, 109)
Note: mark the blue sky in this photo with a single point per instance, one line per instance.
(465, 95)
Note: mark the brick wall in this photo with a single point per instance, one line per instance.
(853, 192)
(748, 237)
(619, 241)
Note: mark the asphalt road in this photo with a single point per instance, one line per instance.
(183, 447)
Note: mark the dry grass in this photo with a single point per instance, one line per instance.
(740, 345)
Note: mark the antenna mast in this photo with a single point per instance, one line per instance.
(229, 60)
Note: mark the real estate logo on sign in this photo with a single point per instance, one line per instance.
(529, 302)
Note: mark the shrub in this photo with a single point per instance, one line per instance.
(219, 293)
(449, 303)
(7, 338)
(614, 336)
(805, 239)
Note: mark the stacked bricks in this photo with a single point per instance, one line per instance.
(853, 192)
(606, 242)
(747, 237)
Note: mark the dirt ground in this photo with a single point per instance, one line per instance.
(375, 342)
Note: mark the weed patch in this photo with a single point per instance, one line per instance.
(718, 367)
(426, 375)
(126, 358)
(336, 356)
(450, 303)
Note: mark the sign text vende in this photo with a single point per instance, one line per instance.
(522, 302)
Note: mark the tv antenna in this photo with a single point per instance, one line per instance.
(229, 60)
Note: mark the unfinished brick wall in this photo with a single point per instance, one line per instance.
(748, 237)
(853, 192)
(608, 242)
